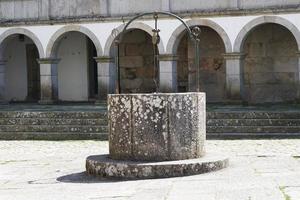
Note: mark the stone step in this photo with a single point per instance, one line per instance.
(53, 115)
(253, 129)
(238, 135)
(71, 125)
(52, 121)
(48, 129)
(52, 136)
(253, 122)
(253, 115)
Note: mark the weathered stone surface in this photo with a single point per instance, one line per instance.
(103, 166)
(52, 122)
(137, 63)
(212, 65)
(14, 10)
(271, 65)
(157, 127)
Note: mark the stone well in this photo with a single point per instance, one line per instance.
(155, 135)
(156, 127)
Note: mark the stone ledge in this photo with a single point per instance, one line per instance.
(184, 14)
(103, 166)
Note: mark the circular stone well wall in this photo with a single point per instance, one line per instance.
(157, 127)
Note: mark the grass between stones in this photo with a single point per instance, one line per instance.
(12, 161)
(296, 157)
(285, 195)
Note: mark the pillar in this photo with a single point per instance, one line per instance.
(168, 73)
(234, 75)
(49, 80)
(298, 75)
(2, 81)
(105, 76)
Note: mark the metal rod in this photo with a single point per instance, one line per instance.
(117, 61)
(157, 13)
(197, 60)
(193, 34)
(196, 33)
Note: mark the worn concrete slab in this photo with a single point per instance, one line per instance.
(259, 170)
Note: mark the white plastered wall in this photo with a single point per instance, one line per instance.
(72, 68)
(231, 25)
(16, 69)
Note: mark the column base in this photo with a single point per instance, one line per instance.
(47, 102)
(3, 102)
(100, 102)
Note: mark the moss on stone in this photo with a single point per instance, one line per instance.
(286, 196)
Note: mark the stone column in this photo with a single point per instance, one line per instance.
(234, 75)
(105, 77)
(49, 80)
(298, 75)
(2, 81)
(168, 73)
(165, 5)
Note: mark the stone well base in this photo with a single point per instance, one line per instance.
(103, 166)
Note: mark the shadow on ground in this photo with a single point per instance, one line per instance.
(83, 177)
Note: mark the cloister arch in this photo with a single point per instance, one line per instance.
(178, 33)
(239, 41)
(135, 25)
(53, 42)
(212, 71)
(19, 51)
(23, 31)
(270, 66)
(76, 48)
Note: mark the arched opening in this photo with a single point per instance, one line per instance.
(212, 65)
(77, 68)
(271, 64)
(22, 73)
(137, 69)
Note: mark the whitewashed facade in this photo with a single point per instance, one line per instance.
(63, 55)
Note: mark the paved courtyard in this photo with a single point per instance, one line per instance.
(259, 170)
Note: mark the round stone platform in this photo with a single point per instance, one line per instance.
(103, 166)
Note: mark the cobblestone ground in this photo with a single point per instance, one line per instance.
(259, 170)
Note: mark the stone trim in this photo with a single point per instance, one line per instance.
(175, 38)
(27, 33)
(240, 38)
(3, 62)
(48, 60)
(234, 56)
(104, 59)
(134, 25)
(167, 57)
(55, 38)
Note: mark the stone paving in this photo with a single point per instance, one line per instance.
(259, 170)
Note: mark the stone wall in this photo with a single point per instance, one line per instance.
(212, 65)
(32, 10)
(16, 68)
(271, 65)
(137, 63)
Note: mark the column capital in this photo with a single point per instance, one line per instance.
(234, 56)
(167, 57)
(104, 59)
(48, 60)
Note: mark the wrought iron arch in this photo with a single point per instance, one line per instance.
(194, 35)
